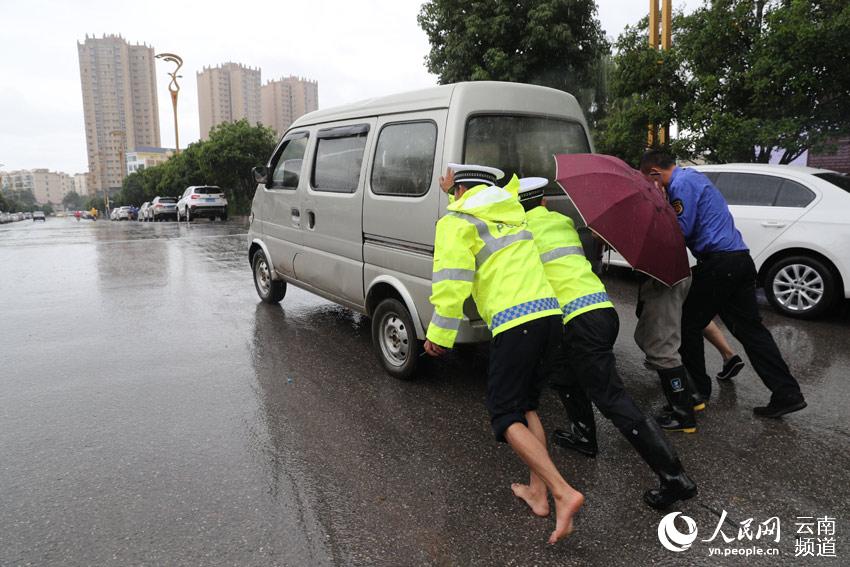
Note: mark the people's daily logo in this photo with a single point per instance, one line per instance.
(670, 536)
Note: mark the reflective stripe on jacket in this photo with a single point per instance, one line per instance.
(483, 248)
(568, 270)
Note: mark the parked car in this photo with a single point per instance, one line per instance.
(163, 208)
(38, 216)
(347, 203)
(202, 201)
(113, 214)
(124, 213)
(27, 215)
(796, 223)
(142, 215)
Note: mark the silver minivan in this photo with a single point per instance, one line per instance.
(347, 204)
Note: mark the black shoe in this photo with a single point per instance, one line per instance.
(674, 421)
(731, 368)
(776, 409)
(699, 404)
(576, 439)
(653, 447)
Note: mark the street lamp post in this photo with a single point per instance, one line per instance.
(174, 89)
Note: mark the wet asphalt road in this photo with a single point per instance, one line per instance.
(153, 411)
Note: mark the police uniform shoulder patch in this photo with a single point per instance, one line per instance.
(678, 206)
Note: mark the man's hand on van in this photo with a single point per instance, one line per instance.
(434, 349)
(447, 181)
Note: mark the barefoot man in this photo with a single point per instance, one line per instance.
(482, 248)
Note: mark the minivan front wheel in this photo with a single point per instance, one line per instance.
(269, 290)
(394, 339)
(800, 286)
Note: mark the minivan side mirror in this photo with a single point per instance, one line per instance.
(261, 174)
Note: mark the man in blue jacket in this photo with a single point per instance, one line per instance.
(724, 283)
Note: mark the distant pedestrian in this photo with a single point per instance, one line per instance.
(724, 282)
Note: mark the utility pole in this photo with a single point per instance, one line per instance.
(660, 135)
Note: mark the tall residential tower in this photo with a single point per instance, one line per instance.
(286, 100)
(227, 93)
(119, 105)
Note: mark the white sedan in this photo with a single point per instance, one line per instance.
(796, 223)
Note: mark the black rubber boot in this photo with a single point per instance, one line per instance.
(580, 434)
(650, 443)
(674, 383)
(698, 401)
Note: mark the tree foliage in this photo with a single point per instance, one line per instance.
(72, 200)
(225, 159)
(556, 43)
(744, 78)
(18, 201)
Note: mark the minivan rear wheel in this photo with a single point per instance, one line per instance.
(800, 286)
(394, 339)
(269, 290)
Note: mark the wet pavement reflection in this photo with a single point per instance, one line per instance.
(154, 411)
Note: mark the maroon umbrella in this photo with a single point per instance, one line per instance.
(627, 211)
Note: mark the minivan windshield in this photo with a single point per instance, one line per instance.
(523, 144)
(838, 179)
(208, 190)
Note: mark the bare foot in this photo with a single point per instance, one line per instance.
(537, 501)
(565, 508)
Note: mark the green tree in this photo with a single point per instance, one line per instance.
(744, 78)
(556, 43)
(47, 209)
(227, 157)
(73, 201)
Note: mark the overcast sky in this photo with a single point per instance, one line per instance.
(355, 49)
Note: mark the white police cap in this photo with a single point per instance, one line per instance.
(469, 174)
(532, 187)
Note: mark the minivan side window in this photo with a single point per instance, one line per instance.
(287, 168)
(524, 145)
(339, 157)
(404, 159)
(748, 189)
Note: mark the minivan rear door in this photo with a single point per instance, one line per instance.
(402, 200)
(331, 259)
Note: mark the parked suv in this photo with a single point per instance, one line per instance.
(202, 201)
(163, 208)
(38, 216)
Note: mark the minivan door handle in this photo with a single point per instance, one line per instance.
(296, 217)
(774, 224)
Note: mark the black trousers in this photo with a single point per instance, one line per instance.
(725, 284)
(588, 371)
(519, 361)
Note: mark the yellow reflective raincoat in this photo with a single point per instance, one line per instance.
(482, 247)
(567, 269)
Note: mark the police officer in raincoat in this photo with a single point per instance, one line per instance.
(483, 248)
(588, 371)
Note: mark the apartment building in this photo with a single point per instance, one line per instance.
(227, 93)
(119, 105)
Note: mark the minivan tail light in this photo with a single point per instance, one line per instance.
(196, 196)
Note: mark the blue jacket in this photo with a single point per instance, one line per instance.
(703, 214)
